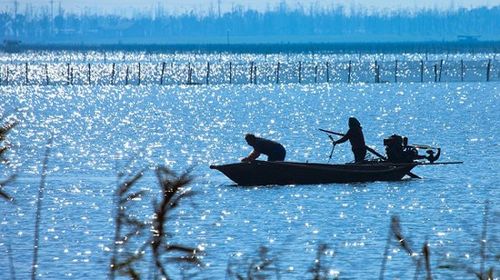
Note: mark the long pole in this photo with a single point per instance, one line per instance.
(369, 150)
(38, 216)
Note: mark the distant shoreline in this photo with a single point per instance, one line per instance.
(268, 48)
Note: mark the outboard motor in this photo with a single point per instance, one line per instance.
(397, 149)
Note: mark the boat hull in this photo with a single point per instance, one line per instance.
(258, 173)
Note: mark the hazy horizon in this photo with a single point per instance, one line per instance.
(129, 7)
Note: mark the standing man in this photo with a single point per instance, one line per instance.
(273, 150)
(355, 136)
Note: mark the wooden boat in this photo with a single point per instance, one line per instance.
(257, 172)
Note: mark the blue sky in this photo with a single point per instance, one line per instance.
(176, 6)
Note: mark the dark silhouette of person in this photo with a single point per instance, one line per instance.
(274, 150)
(355, 136)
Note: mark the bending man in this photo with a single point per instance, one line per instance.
(274, 150)
(355, 136)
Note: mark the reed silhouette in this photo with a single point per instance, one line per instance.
(319, 270)
(38, 216)
(136, 238)
(420, 258)
(482, 273)
(5, 128)
(124, 262)
(262, 266)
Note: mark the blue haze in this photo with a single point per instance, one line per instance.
(282, 24)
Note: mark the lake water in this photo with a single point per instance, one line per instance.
(100, 130)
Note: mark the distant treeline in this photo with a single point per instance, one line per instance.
(280, 25)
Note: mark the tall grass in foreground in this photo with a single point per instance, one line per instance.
(124, 263)
(422, 258)
(262, 266)
(136, 238)
(5, 128)
(483, 273)
(38, 216)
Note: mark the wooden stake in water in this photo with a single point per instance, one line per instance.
(278, 73)
(230, 72)
(26, 72)
(251, 72)
(126, 76)
(162, 73)
(190, 73)
(462, 70)
(440, 69)
(377, 77)
(255, 74)
(488, 70)
(68, 78)
(139, 74)
(38, 216)
(46, 74)
(421, 71)
(327, 72)
(300, 72)
(89, 74)
(208, 73)
(349, 73)
(113, 74)
(396, 71)
(316, 73)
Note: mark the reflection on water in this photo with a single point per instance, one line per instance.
(100, 130)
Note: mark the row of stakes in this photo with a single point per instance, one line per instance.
(252, 75)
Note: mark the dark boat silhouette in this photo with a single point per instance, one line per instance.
(257, 172)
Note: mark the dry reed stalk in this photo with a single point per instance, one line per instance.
(4, 130)
(38, 216)
(123, 196)
(173, 190)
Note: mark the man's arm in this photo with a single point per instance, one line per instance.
(344, 138)
(252, 156)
